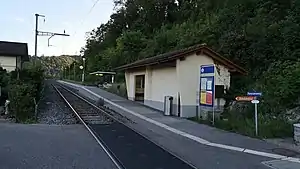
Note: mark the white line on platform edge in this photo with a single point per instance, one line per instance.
(192, 137)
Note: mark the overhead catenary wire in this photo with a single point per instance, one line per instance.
(83, 20)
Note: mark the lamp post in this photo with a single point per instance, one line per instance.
(65, 73)
(83, 68)
(74, 72)
(82, 76)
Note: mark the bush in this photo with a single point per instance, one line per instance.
(4, 80)
(23, 90)
(121, 91)
(21, 98)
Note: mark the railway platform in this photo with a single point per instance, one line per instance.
(198, 144)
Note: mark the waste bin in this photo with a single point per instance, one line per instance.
(168, 105)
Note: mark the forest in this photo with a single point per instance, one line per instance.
(263, 36)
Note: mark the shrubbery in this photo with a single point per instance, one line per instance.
(121, 90)
(21, 96)
(24, 91)
(269, 126)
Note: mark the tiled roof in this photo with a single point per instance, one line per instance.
(170, 56)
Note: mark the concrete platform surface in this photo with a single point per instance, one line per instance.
(50, 147)
(211, 134)
(188, 140)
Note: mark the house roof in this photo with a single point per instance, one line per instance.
(171, 56)
(14, 49)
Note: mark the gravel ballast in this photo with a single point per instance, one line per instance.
(52, 109)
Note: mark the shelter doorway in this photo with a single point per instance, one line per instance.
(139, 87)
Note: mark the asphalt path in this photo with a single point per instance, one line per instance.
(50, 146)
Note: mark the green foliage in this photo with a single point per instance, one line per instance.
(280, 84)
(54, 65)
(261, 35)
(25, 91)
(21, 101)
(268, 127)
(118, 89)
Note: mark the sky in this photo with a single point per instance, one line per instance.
(17, 18)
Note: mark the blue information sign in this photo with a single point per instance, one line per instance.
(207, 85)
(254, 94)
(207, 69)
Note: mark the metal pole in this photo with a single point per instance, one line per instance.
(36, 35)
(74, 70)
(256, 127)
(197, 105)
(213, 99)
(69, 73)
(213, 113)
(83, 70)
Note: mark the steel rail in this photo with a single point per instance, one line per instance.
(126, 125)
(107, 151)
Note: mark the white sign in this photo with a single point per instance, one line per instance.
(255, 101)
(209, 85)
(203, 83)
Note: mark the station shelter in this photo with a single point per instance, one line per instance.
(104, 77)
(192, 77)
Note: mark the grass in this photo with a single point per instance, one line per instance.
(121, 92)
(30, 121)
(267, 127)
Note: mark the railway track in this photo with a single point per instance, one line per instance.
(125, 147)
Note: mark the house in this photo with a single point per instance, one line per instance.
(177, 74)
(12, 55)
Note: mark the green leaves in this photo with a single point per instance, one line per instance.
(262, 36)
(22, 92)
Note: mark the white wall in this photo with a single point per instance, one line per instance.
(161, 82)
(188, 71)
(8, 63)
(222, 77)
(148, 84)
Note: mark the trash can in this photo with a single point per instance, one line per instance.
(168, 105)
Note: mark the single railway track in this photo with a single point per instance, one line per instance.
(125, 147)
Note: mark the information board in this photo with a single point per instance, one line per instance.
(207, 85)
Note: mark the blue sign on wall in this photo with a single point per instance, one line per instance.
(207, 69)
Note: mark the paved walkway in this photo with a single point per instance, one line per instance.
(47, 147)
(182, 137)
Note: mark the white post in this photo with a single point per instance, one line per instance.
(213, 115)
(256, 125)
(112, 79)
(83, 69)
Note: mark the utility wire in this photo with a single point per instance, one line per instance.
(82, 22)
(95, 3)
